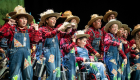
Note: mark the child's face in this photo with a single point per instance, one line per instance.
(22, 21)
(82, 42)
(125, 34)
(120, 32)
(51, 21)
(113, 29)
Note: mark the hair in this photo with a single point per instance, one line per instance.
(137, 38)
(81, 38)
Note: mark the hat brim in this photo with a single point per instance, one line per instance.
(92, 20)
(66, 26)
(30, 17)
(43, 18)
(6, 19)
(124, 26)
(73, 17)
(12, 13)
(111, 23)
(128, 30)
(63, 16)
(134, 31)
(106, 15)
(82, 35)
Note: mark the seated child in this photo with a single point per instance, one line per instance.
(86, 61)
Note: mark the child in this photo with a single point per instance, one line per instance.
(135, 52)
(20, 37)
(68, 53)
(87, 61)
(51, 43)
(112, 48)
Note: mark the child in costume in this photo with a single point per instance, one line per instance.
(68, 53)
(20, 37)
(51, 43)
(84, 60)
(135, 51)
(112, 49)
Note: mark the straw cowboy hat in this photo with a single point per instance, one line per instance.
(109, 12)
(72, 17)
(125, 26)
(49, 13)
(128, 29)
(8, 15)
(86, 27)
(93, 18)
(21, 11)
(66, 13)
(81, 33)
(66, 25)
(136, 28)
(111, 22)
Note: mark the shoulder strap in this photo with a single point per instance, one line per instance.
(100, 32)
(92, 32)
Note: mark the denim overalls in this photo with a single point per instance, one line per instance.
(94, 67)
(96, 41)
(53, 58)
(136, 74)
(127, 68)
(20, 62)
(4, 46)
(111, 60)
(69, 64)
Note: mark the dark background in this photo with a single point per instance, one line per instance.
(128, 12)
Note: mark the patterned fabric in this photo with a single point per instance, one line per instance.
(66, 45)
(51, 58)
(91, 38)
(17, 43)
(48, 32)
(132, 51)
(108, 42)
(8, 31)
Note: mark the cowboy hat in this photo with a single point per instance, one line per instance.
(136, 28)
(81, 33)
(72, 17)
(93, 18)
(111, 22)
(66, 13)
(49, 13)
(21, 11)
(125, 26)
(66, 25)
(109, 12)
(128, 29)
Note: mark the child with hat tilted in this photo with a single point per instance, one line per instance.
(51, 42)
(112, 48)
(20, 37)
(86, 61)
(135, 52)
(127, 50)
(68, 53)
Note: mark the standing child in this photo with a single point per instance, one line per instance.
(112, 48)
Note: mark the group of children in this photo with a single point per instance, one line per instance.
(105, 52)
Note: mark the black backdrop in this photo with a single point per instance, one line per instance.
(128, 12)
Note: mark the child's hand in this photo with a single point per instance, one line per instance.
(84, 60)
(134, 46)
(2, 51)
(137, 50)
(120, 47)
(74, 38)
(125, 61)
(137, 56)
(97, 54)
(11, 21)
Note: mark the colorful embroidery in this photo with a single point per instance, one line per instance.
(113, 61)
(114, 72)
(138, 66)
(119, 70)
(51, 58)
(29, 60)
(15, 77)
(72, 51)
(17, 43)
(57, 72)
(26, 63)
